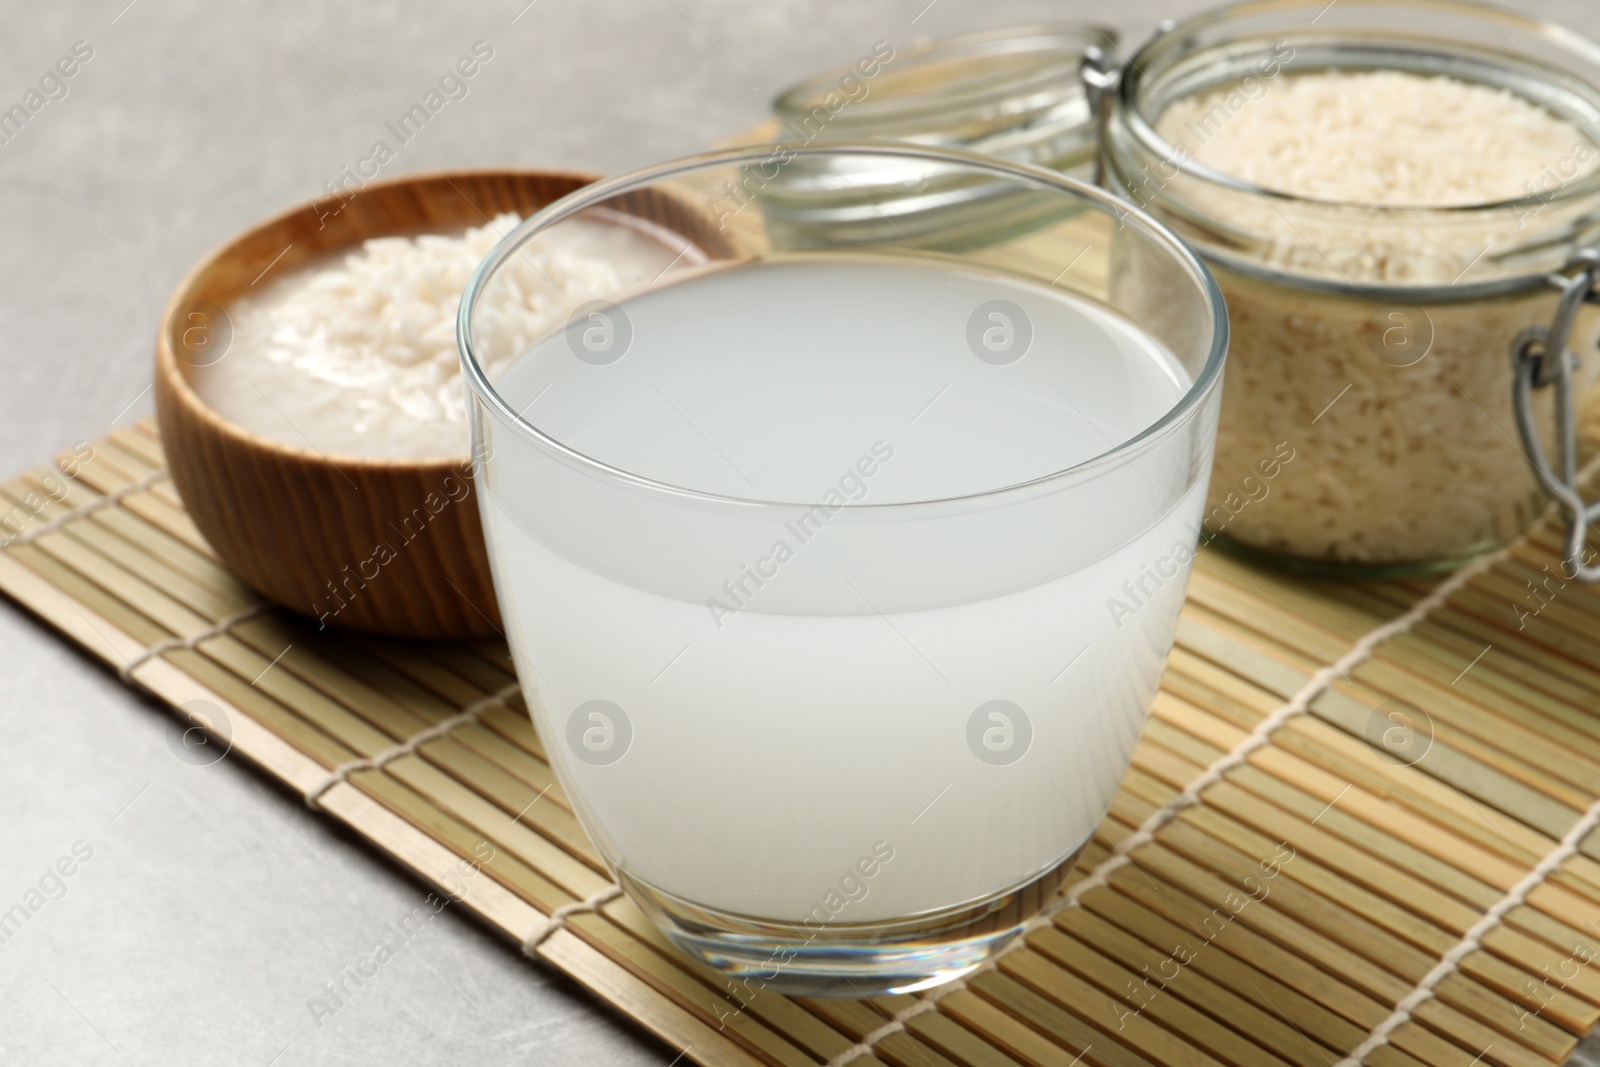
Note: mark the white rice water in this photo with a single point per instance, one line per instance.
(804, 732)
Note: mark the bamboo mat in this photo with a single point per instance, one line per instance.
(1302, 862)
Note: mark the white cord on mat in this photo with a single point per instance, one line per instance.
(1472, 940)
(466, 715)
(558, 918)
(1359, 653)
(116, 496)
(864, 1047)
(217, 629)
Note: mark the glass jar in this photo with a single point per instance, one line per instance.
(1381, 355)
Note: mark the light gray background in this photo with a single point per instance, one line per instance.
(215, 905)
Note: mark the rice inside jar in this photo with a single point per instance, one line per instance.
(1386, 192)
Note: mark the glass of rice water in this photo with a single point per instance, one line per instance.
(840, 569)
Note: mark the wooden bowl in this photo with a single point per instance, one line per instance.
(310, 531)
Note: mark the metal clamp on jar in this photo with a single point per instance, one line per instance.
(1542, 357)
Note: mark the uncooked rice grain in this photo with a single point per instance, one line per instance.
(1399, 416)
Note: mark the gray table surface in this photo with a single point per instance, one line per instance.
(214, 905)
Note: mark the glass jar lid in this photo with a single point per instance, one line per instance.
(1013, 92)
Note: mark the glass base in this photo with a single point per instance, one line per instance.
(1353, 570)
(849, 959)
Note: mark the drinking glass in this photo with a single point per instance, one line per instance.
(839, 570)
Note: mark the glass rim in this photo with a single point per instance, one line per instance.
(484, 391)
(1066, 39)
(1169, 35)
